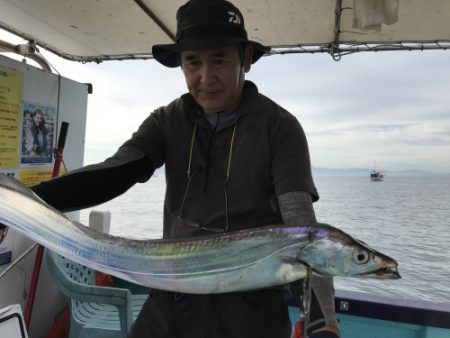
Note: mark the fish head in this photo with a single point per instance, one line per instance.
(330, 251)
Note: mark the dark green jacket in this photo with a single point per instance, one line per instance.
(269, 157)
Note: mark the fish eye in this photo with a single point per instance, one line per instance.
(361, 256)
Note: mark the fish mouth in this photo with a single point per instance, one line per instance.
(388, 272)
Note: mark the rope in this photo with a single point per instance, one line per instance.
(56, 155)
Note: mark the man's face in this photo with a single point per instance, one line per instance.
(28, 120)
(215, 77)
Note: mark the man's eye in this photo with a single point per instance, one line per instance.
(191, 64)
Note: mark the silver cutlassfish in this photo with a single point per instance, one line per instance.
(234, 261)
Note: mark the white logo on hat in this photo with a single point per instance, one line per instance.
(234, 18)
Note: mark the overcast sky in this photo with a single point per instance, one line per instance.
(388, 107)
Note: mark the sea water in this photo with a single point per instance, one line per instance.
(407, 218)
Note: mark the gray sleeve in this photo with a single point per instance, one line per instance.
(297, 208)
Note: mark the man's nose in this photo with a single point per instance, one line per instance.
(208, 73)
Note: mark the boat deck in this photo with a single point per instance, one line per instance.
(372, 316)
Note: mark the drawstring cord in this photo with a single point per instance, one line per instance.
(227, 177)
(230, 152)
(191, 149)
(190, 175)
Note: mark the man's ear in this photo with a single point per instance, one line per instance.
(248, 58)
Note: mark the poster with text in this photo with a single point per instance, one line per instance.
(10, 100)
(6, 245)
(11, 173)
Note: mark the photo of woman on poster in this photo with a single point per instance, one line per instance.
(38, 140)
(37, 134)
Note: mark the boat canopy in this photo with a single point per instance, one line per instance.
(87, 30)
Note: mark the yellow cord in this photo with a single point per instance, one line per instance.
(230, 153)
(191, 149)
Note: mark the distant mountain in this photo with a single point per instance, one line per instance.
(340, 171)
(317, 171)
(415, 173)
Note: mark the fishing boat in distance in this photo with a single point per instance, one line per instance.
(125, 30)
(376, 175)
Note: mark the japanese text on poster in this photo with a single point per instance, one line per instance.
(10, 99)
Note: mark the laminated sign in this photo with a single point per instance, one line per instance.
(10, 104)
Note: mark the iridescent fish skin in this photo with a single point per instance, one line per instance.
(234, 261)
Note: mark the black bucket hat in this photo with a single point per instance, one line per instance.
(206, 24)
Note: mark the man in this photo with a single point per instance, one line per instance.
(234, 159)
